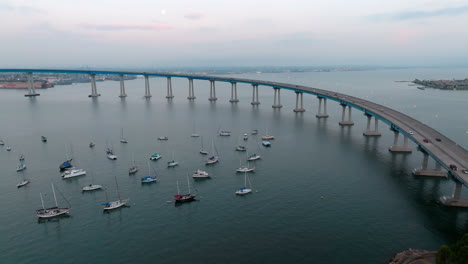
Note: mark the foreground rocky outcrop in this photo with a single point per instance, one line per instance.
(414, 256)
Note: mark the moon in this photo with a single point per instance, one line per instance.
(163, 12)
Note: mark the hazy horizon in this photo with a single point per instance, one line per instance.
(420, 33)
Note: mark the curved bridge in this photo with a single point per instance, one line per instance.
(430, 142)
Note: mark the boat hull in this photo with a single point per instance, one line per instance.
(115, 205)
(52, 212)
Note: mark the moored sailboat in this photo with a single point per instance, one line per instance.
(201, 174)
(244, 190)
(213, 159)
(182, 198)
(122, 139)
(51, 212)
(108, 206)
(149, 178)
(202, 150)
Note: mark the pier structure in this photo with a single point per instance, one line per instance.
(212, 91)
(94, 92)
(277, 98)
(234, 93)
(169, 89)
(372, 133)
(425, 171)
(395, 147)
(147, 88)
(344, 122)
(255, 100)
(122, 86)
(455, 199)
(320, 113)
(31, 88)
(191, 92)
(299, 102)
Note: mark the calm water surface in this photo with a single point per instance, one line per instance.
(322, 193)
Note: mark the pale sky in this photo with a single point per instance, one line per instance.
(158, 33)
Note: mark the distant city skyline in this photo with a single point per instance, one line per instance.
(184, 33)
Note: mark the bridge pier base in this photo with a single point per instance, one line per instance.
(372, 133)
(147, 87)
(424, 171)
(399, 149)
(255, 95)
(234, 93)
(344, 122)
(277, 100)
(169, 89)
(31, 88)
(455, 200)
(94, 92)
(191, 92)
(122, 87)
(299, 98)
(212, 91)
(320, 114)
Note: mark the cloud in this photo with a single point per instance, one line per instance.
(194, 16)
(417, 14)
(111, 27)
(5, 6)
(30, 10)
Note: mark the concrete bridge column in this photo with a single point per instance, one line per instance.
(169, 88)
(234, 93)
(277, 100)
(424, 171)
(299, 98)
(455, 199)
(147, 87)
(320, 114)
(212, 91)
(255, 95)
(399, 149)
(94, 92)
(372, 133)
(191, 92)
(344, 122)
(122, 87)
(31, 88)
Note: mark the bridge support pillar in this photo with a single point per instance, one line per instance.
(122, 87)
(169, 89)
(320, 113)
(399, 149)
(147, 87)
(191, 92)
(212, 91)
(372, 133)
(455, 200)
(299, 99)
(234, 93)
(94, 92)
(255, 95)
(344, 122)
(424, 171)
(31, 88)
(277, 100)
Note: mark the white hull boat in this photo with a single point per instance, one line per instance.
(244, 190)
(155, 156)
(115, 204)
(92, 187)
(21, 167)
(22, 183)
(254, 157)
(245, 169)
(200, 174)
(70, 173)
(51, 212)
(212, 160)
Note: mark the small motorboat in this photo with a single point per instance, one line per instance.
(203, 152)
(254, 157)
(155, 156)
(246, 137)
(91, 187)
(266, 143)
(163, 138)
(241, 148)
(211, 160)
(195, 135)
(172, 163)
(8, 148)
(21, 166)
(72, 172)
(200, 174)
(43, 139)
(110, 154)
(21, 158)
(148, 179)
(2, 142)
(91, 144)
(268, 137)
(133, 170)
(254, 132)
(225, 133)
(22, 183)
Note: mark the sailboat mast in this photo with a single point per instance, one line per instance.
(116, 184)
(177, 183)
(245, 179)
(55, 198)
(42, 201)
(149, 169)
(188, 183)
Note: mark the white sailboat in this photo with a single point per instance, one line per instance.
(213, 159)
(21, 166)
(194, 134)
(134, 168)
(91, 186)
(73, 172)
(268, 136)
(122, 139)
(244, 190)
(52, 211)
(254, 157)
(110, 154)
(246, 168)
(22, 183)
(2, 142)
(149, 178)
(200, 174)
(246, 137)
(202, 150)
(115, 204)
(172, 163)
